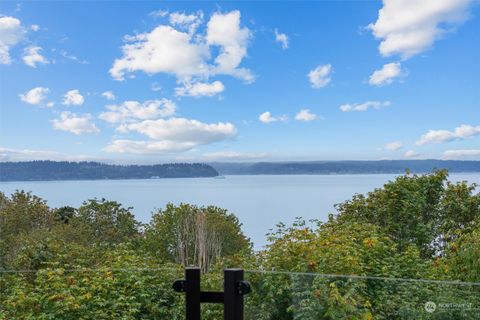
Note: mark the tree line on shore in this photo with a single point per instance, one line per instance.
(98, 262)
(88, 170)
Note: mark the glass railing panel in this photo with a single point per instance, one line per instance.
(278, 295)
(105, 293)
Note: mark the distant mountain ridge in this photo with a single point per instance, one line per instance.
(63, 170)
(345, 167)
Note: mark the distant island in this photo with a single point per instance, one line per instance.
(63, 170)
(345, 167)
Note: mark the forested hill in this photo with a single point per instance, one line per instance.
(346, 167)
(53, 170)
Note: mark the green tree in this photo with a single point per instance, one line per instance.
(192, 235)
(106, 222)
(421, 210)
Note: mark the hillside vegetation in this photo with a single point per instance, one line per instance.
(63, 170)
(98, 262)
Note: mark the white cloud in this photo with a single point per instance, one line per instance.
(32, 56)
(35, 96)
(320, 76)
(393, 146)
(439, 136)
(134, 110)
(224, 30)
(172, 135)
(159, 13)
(267, 117)
(467, 154)
(364, 106)
(35, 27)
(282, 38)
(158, 51)
(8, 154)
(305, 115)
(76, 124)
(183, 130)
(189, 22)
(73, 97)
(409, 27)
(72, 57)
(233, 156)
(411, 154)
(11, 32)
(147, 147)
(387, 74)
(200, 89)
(108, 95)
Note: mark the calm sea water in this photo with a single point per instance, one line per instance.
(259, 201)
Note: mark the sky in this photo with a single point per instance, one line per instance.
(153, 82)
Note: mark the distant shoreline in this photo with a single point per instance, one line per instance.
(80, 171)
(93, 171)
(235, 175)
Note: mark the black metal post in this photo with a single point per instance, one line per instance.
(232, 297)
(192, 290)
(233, 302)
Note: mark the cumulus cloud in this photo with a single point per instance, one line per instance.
(11, 33)
(281, 38)
(320, 76)
(200, 89)
(233, 156)
(76, 124)
(411, 154)
(224, 30)
(35, 96)
(108, 95)
(267, 117)
(133, 110)
(172, 135)
(387, 74)
(305, 115)
(440, 136)
(409, 27)
(364, 106)
(35, 27)
(73, 98)
(393, 146)
(466, 154)
(32, 56)
(157, 51)
(183, 130)
(9, 154)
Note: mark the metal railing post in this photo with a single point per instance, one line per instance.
(232, 297)
(234, 288)
(192, 293)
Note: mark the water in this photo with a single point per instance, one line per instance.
(259, 201)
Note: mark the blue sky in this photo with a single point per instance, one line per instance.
(239, 81)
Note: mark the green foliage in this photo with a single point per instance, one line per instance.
(106, 222)
(192, 235)
(98, 262)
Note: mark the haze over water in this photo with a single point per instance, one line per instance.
(259, 201)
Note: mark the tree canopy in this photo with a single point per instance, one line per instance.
(98, 262)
